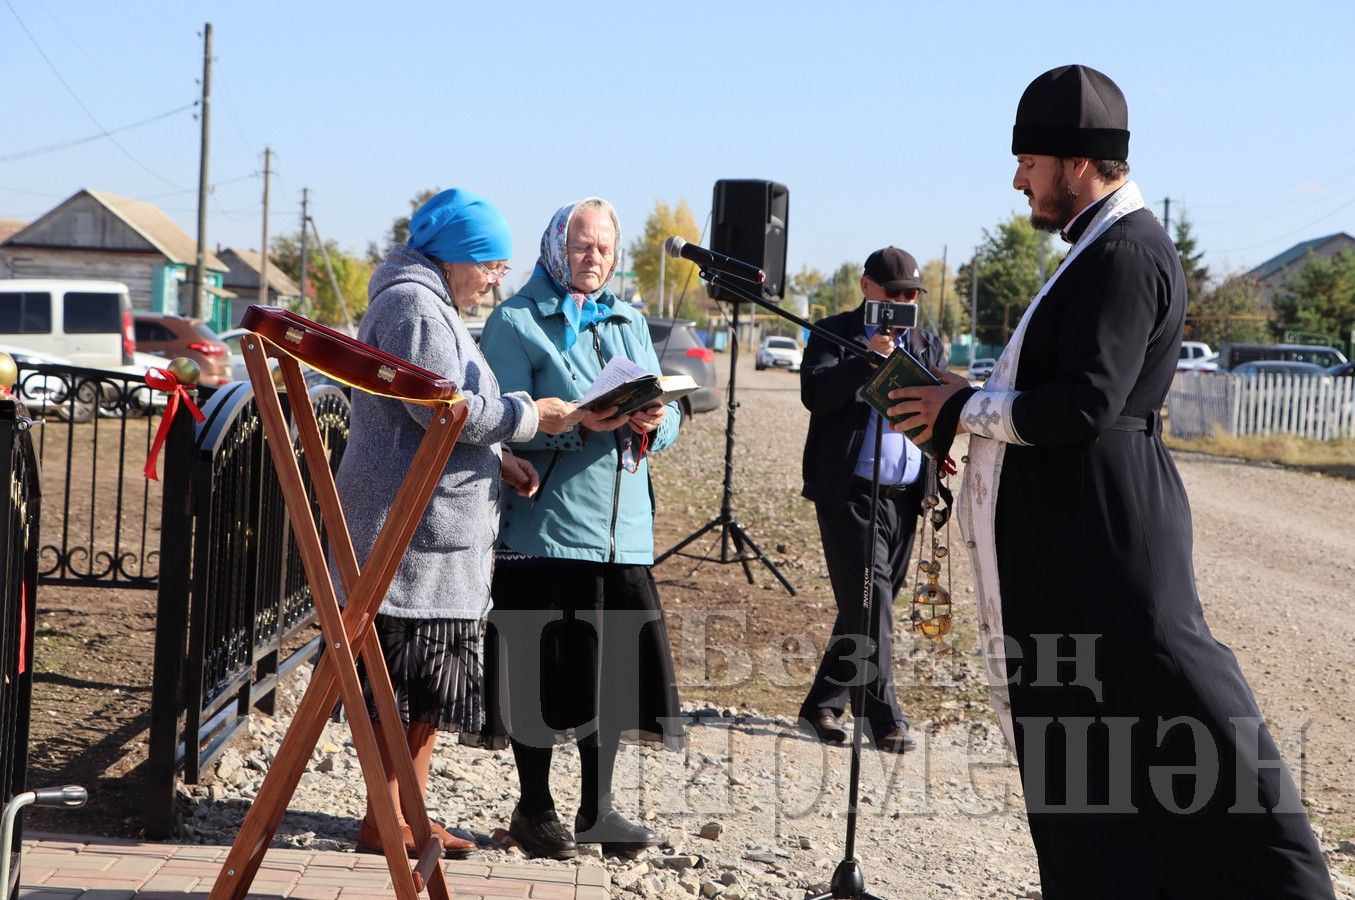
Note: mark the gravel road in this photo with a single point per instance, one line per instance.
(1275, 562)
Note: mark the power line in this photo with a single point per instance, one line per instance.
(64, 145)
(211, 187)
(91, 57)
(1287, 234)
(146, 49)
(78, 101)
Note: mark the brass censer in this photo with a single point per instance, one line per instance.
(931, 615)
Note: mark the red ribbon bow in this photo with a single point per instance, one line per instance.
(168, 382)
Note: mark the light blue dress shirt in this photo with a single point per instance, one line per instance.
(900, 458)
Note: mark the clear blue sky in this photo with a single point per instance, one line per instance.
(889, 122)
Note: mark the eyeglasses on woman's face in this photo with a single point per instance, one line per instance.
(493, 273)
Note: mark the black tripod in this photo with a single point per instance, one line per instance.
(848, 882)
(730, 529)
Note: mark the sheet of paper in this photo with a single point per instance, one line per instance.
(617, 372)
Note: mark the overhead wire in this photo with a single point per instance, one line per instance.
(148, 51)
(1288, 234)
(75, 142)
(76, 97)
(91, 57)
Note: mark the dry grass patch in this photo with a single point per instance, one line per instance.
(1328, 457)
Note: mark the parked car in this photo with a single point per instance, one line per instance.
(168, 335)
(981, 368)
(682, 352)
(50, 392)
(1196, 356)
(1277, 367)
(779, 353)
(1233, 355)
(88, 323)
(231, 338)
(1344, 370)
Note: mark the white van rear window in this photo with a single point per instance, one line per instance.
(25, 312)
(92, 313)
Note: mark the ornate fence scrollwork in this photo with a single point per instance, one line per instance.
(103, 516)
(247, 600)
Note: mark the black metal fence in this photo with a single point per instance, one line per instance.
(19, 517)
(102, 514)
(233, 599)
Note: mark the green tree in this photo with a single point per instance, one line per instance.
(351, 271)
(399, 230)
(938, 280)
(1197, 274)
(1232, 310)
(840, 290)
(1013, 262)
(679, 275)
(1320, 299)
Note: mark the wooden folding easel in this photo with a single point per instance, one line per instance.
(348, 633)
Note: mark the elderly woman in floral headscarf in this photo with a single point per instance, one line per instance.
(575, 559)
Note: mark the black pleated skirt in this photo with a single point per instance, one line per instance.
(436, 670)
(574, 648)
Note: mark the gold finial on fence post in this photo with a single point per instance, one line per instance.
(9, 373)
(185, 370)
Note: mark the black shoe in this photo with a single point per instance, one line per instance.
(826, 728)
(542, 835)
(896, 740)
(614, 833)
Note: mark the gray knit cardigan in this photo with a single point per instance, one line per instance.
(446, 573)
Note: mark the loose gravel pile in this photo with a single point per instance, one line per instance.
(752, 808)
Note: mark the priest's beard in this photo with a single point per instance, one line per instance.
(1055, 211)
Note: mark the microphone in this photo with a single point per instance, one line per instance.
(709, 259)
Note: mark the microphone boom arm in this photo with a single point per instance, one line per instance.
(719, 279)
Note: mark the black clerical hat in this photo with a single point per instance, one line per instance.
(1072, 111)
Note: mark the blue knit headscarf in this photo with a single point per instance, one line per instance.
(458, 226)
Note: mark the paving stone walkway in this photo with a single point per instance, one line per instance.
(63, 867)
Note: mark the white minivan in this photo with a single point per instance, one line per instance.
(87, 322)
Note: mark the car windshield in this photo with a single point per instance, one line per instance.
(780, 344)
(673, 335)
(206, 333)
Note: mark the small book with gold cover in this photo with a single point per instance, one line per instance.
(902, 369)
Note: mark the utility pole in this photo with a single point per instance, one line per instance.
(305, 219)
(941, 312)
(1167, 214)
(973, 306)
(263, 244)
(198, 306)
(663, 258)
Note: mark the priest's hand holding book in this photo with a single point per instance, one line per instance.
(921, 405)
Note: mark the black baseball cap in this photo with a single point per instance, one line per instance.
(894, 270)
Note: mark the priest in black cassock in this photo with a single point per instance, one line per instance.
(1148, 770)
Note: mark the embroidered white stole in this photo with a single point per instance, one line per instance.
(987, 446)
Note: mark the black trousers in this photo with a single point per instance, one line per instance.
(855, 652)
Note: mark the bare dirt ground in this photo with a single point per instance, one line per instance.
(1275, 564)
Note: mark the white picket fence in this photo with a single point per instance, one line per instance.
(1309, 406)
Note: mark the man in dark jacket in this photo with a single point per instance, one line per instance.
(838, 463)
(1148, 769)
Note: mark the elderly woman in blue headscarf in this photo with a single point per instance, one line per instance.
(577, 646)
(429, 624)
